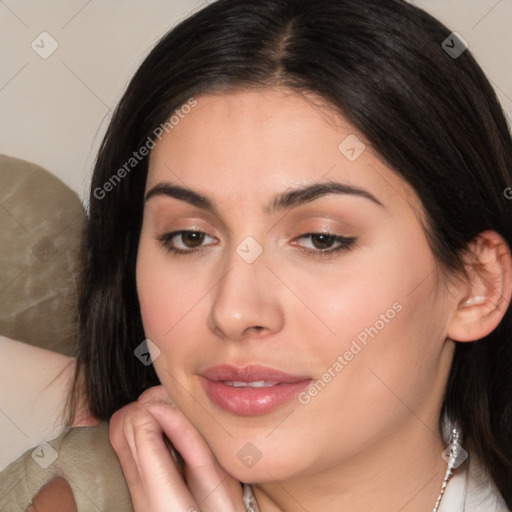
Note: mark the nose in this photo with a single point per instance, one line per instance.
(246, 302)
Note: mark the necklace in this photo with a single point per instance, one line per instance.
(250, 503)
(454, 455)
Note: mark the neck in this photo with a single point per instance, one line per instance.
(403, 472)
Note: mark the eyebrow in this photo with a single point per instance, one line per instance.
(309, 193)
(287, 200)
(183, 194)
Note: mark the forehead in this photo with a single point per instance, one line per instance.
(259, 142)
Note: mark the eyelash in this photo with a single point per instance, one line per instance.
(345, 244)
(166, 240)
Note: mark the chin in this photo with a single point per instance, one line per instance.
(250, 465)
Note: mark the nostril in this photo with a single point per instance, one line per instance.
(255, 329)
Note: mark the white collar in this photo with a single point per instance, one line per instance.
(469, 490)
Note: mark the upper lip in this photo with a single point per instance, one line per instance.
(249, 373)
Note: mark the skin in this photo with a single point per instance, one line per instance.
(56, 496)
(369, 440)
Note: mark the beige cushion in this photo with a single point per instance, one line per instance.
(82, 456)
(41, 220)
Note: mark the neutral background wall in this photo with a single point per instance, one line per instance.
(54, 111)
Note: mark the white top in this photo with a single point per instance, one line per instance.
(469, 490)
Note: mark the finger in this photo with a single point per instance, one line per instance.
(155, 394)
(153, 479)
(212, 487)
(162, 480)
(159, 394)
(122, 438)
(207, 481)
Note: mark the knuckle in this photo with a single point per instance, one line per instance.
(122, 423)
(155, 393)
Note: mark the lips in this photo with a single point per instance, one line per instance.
(250, 390)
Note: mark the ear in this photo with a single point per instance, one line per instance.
(483, 301)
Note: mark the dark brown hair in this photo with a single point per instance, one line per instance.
(434, 119)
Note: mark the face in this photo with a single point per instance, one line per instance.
(289, 286)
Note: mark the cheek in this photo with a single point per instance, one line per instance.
(386, 321)
(363, 296)
(166, 297)
(160, 306)
(156, 300)
(173, 307)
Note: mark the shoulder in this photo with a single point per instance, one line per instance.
(57, 491)
(83, 457)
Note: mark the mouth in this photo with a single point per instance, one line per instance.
(255, 384)
(250, 390)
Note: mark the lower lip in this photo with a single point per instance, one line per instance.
(249, 401)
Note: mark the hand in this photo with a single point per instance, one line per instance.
(156, 482)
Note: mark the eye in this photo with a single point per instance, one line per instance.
(325, 244)
(186, 241)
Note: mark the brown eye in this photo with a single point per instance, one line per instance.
(192, 239)
(325, 245)
(186, 241)
(322, 241)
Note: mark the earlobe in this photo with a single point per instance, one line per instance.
(486, 297)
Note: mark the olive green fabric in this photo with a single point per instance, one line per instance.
(41, 220)
(82, 456)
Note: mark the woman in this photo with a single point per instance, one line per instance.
(298, 216)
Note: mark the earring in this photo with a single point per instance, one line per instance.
(454, 456)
